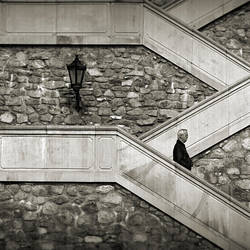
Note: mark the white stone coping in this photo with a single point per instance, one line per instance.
(198, 35)
(203, 14)
(195, 109)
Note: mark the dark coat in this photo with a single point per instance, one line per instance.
(181, 155)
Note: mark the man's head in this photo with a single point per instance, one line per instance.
(182, 135)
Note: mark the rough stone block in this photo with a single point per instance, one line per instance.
(7, 117)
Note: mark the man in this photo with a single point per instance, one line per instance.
(180, 153)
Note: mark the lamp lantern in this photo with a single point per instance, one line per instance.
(76, 73)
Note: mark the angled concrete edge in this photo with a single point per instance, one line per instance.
(203, 105)
(202, 14)
(198, 35)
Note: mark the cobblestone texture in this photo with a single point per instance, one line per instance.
(227, 166)
(128, 86)
(232, 31)
(87, 216)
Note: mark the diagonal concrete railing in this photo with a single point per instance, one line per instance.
(198, 13)
(208, 122)
(191, 51)
(108, 154)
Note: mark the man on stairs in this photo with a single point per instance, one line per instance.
(180, 153)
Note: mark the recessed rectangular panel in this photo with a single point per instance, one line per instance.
(126, 18)
(2, 18)
(70, 153)
(22, 152)
(106, 153)
(82, 18)
(31, 18)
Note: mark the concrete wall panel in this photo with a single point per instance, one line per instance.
(35, 18)
(70, 153)
(126, 18)
(106, 153)
(22, 152)
(85, 18)
(71, 23)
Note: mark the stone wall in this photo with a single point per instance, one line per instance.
(86, 216)
(232, 31)
(128, 86)
(227, 166)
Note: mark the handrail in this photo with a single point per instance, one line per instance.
(194, 109)
(198, 35)
(189, 175)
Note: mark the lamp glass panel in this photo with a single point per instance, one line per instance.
(79, 76)
(72, 76)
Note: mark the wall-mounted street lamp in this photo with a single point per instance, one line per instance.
(76, 73)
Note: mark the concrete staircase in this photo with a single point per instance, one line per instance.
(208, 122)
(108, 154)
(214, 119)
(191, 51)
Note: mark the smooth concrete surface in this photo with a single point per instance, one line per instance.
(130, 23)
(30, 18)
(64, 22)
(58, 152)
(207, 123)
(83, 17)
(109, 154)
(198, 13)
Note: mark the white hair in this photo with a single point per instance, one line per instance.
(181, 132)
